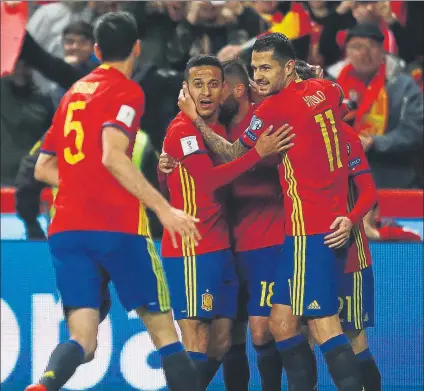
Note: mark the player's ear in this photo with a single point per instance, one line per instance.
(137, 48)
(97, 52)
(240, 90)
(290, 67)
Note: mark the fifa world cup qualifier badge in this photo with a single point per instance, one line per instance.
(207, 301)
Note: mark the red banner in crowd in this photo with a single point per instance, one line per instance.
(13, 19)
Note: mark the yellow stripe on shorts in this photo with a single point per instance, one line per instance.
(190, 207)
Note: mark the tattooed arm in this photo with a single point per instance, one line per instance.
(219, 145)
(226, 151)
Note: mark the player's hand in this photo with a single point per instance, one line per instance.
(272, 143)
(255, 97)
(167, 163)
(186, 103)
(366, 141)
(337, 239)
(178, 222)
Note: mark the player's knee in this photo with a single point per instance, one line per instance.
(282, 323)
(219, 345)
(261, 333)
(89, 356)
(358, 340)
(88, 343)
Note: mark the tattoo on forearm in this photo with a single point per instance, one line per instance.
(224, 149)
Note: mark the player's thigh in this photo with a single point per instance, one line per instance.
(283, 323)
(136, 271)
(220, 337)
(259, 268)
(195, 284)
(356, 300)
(260, 330)
(315, 276)
(80, 280)
(227, 300)
(160, 326)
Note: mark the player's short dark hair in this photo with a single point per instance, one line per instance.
(281, 46)
(236, 68)
(203, 60)
(79, 28)
(116, 33)
(303, 70)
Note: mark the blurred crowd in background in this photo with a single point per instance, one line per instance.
(379, 67)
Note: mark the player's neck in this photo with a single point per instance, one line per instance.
(244, 108)
(290, 79)
(124, 67)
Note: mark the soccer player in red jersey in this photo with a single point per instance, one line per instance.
(100, 231)
(202, 279)
(356, 287)
(256, 220)
(313, 175)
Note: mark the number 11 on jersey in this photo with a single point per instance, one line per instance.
(319, 119)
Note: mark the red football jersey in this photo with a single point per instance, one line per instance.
(359, 255)
(313, 174)
(257, 216)
(89, 197)
(193, 186)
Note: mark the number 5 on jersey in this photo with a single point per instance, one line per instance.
(76, 126)
(319, 119)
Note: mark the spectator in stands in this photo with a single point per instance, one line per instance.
(211, 27)
(322, 13)
(388, 107)
(157, 24)
(47, 23)
(78, 41)
(25, 116)
(289, 18)
(333, 37)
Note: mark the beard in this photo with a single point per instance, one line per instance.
(228, 110)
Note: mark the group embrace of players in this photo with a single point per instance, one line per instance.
(282, 246)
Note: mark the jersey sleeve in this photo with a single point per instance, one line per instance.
(184, 143)
(124, 111)
(357, 161)
(183, 140)
(261, 120)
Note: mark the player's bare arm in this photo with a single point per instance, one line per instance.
(221, 147)
(268, 144)
(46, 169)
(115, 144)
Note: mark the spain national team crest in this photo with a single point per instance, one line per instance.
(207, 301)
